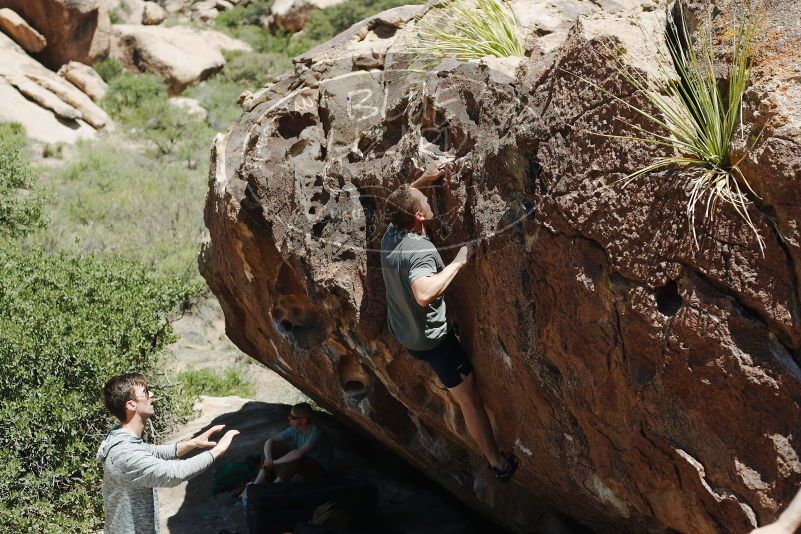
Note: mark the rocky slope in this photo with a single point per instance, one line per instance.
(645, 384)
(76, 29)
(51, 108)
(40, 36)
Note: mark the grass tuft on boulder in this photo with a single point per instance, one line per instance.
(467, 29)
(696, 114)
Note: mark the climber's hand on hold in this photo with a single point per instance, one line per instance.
(465, 254)
(433, 172)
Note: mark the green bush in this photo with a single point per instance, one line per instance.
(112, 199)
(216, 384)
(108, 69)
(128, 93)
(139, 102)
(174, 131)
(67, 324)
(245, 14)
(242, 71)
(218, 96)
(20, 202)
(255, 69)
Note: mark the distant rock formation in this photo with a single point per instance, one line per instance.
(127, 11)
(646, 386)
(84, 78)
(153, 14)
(23, 34)
(75, 30)
(292, 15)
(206, 10)
(50, 108)
(181, 56)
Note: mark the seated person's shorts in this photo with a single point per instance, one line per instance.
(448, 359)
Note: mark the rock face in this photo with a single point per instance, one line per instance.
(153, 14)
(174, 6)
(128, 11)
(292, 15)
(182, 56)
(74, 29)
(22, 32)
(84, 78)
(50, 108)
(207, 10)
(190, 106)
(646, 385)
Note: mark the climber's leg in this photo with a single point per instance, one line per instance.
(455, 371)
(477, 421)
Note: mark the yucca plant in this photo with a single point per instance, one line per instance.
(468, 29)
(696, 115)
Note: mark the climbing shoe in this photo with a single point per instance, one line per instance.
(504, 475)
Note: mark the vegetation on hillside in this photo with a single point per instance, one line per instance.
(244, 23)
(231, 381)
(139, 194)
(67, 323)
(20, 203)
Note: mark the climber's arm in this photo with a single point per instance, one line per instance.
(433, 172)
(787, 523)
(427, 289)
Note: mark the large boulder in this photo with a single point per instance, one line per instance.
(74, 29)
(174, 6)
(127, 11)
(647, 385)
(182, 56)
(153, 14)
(22, 32)
(85, 78)
(50, 108)
(190, 106)
(137, 12)
(292, 15)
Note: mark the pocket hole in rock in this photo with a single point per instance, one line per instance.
(668, 300)
(290, 125)
(352, 377)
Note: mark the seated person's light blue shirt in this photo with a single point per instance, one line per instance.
(314, 437)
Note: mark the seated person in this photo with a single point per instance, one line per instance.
(298, 450)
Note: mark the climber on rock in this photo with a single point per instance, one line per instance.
(416, 278)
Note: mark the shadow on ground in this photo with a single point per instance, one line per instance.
(407, 500)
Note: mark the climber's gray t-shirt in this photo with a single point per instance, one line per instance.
(405, 257)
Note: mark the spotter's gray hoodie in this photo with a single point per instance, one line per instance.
(132, 469)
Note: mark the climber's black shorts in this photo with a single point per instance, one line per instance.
(448, 359)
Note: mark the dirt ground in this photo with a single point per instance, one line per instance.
(202, 343)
